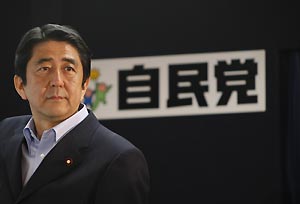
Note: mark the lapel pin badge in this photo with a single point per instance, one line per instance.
(68, 161)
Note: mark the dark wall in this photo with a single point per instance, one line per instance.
(13, 20)
(227, 158)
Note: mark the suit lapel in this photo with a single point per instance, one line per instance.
(63, 158)
(60, 160)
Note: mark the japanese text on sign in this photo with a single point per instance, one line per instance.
(177, 85)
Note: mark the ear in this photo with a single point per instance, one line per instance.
(19, 86)
(84, 87)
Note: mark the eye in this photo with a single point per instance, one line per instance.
(69, 69)
(43, 69)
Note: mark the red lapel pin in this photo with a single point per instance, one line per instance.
(68, 161)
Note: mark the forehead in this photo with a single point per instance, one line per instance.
(54, 49)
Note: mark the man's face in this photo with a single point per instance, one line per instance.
(54, 81)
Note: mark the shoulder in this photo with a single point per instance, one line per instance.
(12, 124)
(14, 121)
(11, 127)
(106, 140)
(121, 153)
(113, 139)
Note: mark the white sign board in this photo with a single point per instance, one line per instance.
(178, 85)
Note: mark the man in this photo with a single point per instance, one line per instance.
(62, 154)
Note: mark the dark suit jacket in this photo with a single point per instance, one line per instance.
(105, 168)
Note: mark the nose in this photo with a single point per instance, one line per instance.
(56, 79)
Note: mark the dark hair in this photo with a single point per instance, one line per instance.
(51, 32)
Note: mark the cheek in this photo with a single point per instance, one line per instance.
(74, 90)
(36, 88)
(32, 92)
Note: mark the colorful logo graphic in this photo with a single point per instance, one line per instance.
(96, 92)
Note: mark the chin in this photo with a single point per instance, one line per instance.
(63, 114)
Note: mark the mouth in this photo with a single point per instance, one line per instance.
(56, 98)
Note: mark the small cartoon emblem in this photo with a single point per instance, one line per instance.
(96, 95)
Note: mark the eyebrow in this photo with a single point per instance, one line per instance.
(71, 60)
(67, 59)
(40, 61)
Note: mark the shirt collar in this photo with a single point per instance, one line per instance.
(67, 125)
(61, 129)
(29, 132)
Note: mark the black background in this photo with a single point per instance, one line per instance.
(211, 159)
